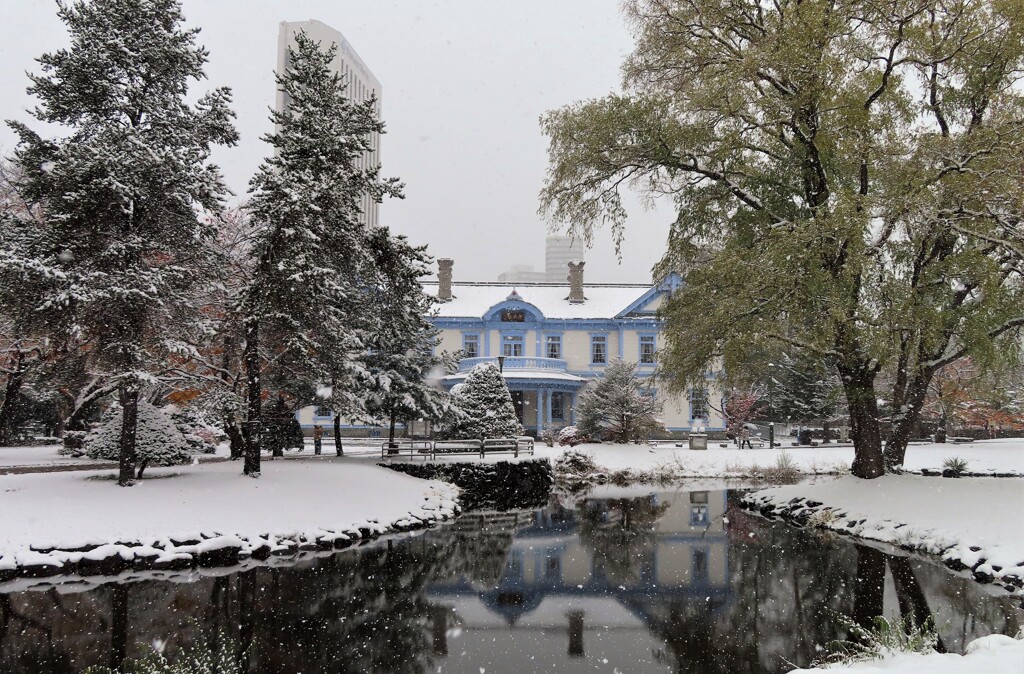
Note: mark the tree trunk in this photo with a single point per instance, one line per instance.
(869, 586)
(118, 625)
(827, 428)
(254, 394)
(142, 468)
(339, 449)
(391, 429)
(12, 393)
(859, 386)
(906, 420)
(129, 417)
(910, 596)
(235, 437)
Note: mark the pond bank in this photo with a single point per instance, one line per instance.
(206, 514)
(971, 523)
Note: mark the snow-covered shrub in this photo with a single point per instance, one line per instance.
(485, 406)
(74, 443)
(548, 436)
(574, 463)
(158, 441)
(572, 436)
(202, 435)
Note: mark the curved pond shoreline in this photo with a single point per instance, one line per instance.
(206, 515)
(969, 524)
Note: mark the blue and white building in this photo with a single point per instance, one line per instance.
(550, 339)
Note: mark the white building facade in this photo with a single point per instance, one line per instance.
(360, 83)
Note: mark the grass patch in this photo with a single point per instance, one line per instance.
(954, 466)
(882, 638)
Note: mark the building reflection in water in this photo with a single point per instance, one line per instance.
(586, 582)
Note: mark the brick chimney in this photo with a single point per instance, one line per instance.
(444, 278)
(576, 282)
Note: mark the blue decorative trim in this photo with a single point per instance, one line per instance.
(669, 284)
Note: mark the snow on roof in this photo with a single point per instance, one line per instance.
(472, 300)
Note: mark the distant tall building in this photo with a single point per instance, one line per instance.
(361, 84)
(558, 252)
(522, 273)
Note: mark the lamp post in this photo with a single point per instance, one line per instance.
(501, 364)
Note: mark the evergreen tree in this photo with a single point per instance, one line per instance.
(114, 264)
(804, 389)
(158, 441)
(312, 260)
(484, 404)
(400, 359)
(614, 405)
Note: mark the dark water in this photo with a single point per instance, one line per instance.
(627, 581)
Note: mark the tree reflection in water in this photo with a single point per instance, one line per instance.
(400, 607)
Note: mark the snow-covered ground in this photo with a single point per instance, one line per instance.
(80, 518)
(40, 455)
(995, 654)
(986, 456)
(973, 522)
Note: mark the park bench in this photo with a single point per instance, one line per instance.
(523, 444)
(413, 448)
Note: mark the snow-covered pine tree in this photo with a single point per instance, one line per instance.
(115, 262)
(614, 405)
(485, 405)
(399, 359)
(158, 441)
(312, 262)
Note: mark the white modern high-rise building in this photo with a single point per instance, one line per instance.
(559, 251)
(360, 85)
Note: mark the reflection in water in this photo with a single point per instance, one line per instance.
(678, 581)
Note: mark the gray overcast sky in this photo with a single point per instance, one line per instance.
(464, 84)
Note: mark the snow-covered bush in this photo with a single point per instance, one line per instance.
(74, 443)
(548, 436)
(572, 436)
(158, 441)
(574, 464)
(202, 435)
(485, 408)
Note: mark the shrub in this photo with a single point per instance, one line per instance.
(575, 464)
(954, 466)
(879, 640)
(572, 436)
(548, 437)
(158, 441)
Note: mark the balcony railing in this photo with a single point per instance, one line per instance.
(516, 363)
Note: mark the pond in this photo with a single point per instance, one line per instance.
(619, 580)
